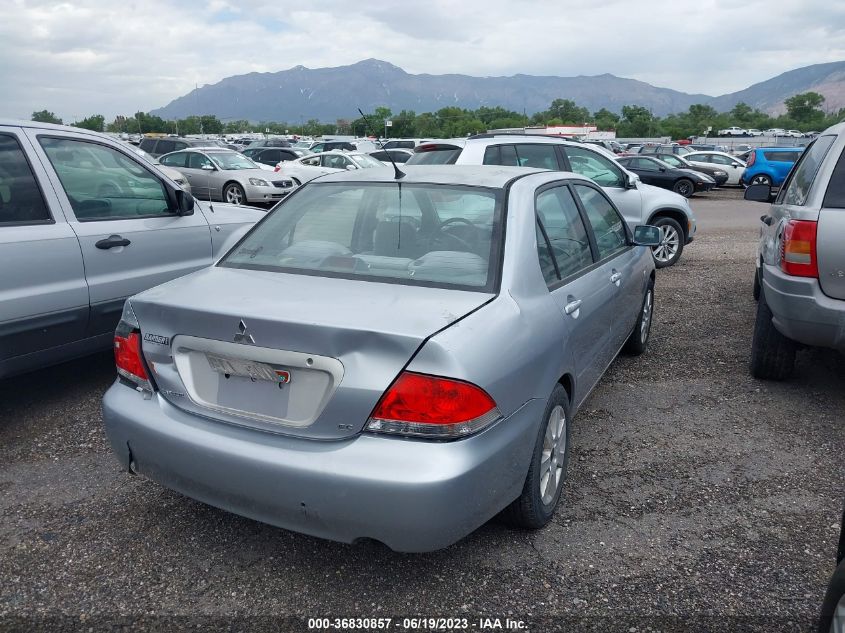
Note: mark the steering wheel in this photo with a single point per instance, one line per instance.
(468, 244)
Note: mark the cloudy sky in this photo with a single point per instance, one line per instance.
(83, 57)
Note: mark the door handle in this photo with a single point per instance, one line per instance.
(111, 241)
(615, 278)
(572, 306)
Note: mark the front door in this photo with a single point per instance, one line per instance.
(131, 237)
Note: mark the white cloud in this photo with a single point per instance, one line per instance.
(82, 57)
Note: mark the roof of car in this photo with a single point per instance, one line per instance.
(475, 175)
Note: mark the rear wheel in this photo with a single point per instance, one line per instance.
(684, 187)
(772, 354)
(756, 288)
(543, 485)
(668, 252)
(760, 179)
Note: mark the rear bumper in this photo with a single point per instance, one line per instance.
(414, 496)
(801, 311)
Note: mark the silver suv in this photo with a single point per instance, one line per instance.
(639, 203)
(800, 277)
(84, 223)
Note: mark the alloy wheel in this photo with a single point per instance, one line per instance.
(645, 325)
(553, 454)
(670, 241)
(234, 196)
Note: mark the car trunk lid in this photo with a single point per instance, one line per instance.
(300, 355)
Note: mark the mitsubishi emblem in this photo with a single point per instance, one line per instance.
(243, 335)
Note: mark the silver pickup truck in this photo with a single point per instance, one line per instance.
(800, 278)
(85, 223)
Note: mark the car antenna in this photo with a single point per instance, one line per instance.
(398, 174)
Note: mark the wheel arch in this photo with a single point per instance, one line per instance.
(679, 216)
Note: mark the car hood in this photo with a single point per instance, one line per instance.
(225, 213)
(343, 342)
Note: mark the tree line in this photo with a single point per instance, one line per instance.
(803, 112)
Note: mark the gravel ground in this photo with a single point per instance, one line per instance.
(698, 499)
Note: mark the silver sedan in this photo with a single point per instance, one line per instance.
(382, 359)
(223, 174)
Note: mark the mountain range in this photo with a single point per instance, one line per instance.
(328, 94)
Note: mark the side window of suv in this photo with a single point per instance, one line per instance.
(148, 145)
(608, 225)
(21, 201)
(540, 155)
(115, 188)
(594, 166)
(165, 147)
(562, 241)
(797, 187)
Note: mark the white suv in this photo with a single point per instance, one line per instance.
(733, 131)
(638, 202)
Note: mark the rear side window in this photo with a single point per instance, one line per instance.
(21, 201)
(835, 196)
(445, 155)
(179, 145)
(103, 184)
(804, 172)
(174, 160)
(165, 147)
(562, 241)
(148, 145)
(541, 156)
(782, 157)
(422, 234)
(608, 225)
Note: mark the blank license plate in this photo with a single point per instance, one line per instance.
(248, 369)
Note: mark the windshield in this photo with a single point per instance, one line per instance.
(232, 160)
(363, 161)
(413, 234)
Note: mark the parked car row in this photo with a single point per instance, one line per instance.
(776, 132)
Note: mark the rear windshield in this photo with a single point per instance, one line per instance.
(415, 234)
(445, 156)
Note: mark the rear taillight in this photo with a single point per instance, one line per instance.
(127, 350)
(277, 168)
(751, 158)
(798, 249)
(434, 407)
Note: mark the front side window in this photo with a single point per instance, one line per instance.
(566, 245)
(101, 183)
(608, 225)
(314, 161)
(593, 165)
(718, 159)
(645, 164)
(21, 201)
(199, 161)
(414, 234)
(804, 172)
(673, 161)
(700, 158)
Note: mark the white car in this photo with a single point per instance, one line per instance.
(731, 164)
(733, 131)
(755, 132)
(775, 131)
(310, 167)
(794, 133)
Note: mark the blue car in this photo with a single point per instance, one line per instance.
(770, 165)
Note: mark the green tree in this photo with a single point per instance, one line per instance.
(741, 113)
(45, 116)
(637, 122)
(94, 122)
(605, 119)
(805, 107)
(568, 111)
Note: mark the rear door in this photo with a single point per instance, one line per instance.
(584, 299)
(43, 294)
(131, 237)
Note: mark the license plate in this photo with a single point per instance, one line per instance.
(247, 369)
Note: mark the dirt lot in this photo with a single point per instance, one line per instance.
(698, 499)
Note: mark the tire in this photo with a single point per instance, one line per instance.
(638, 340)
(668, 252)
(834, 602)
(756, 288)
(533, 509)
(684, 187)
(760, 179)
(233, 193)
(772, 354)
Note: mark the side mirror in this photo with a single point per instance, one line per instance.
(184, 202)
(647, 235)
(759, 193)
(630, 181)
(662, 169)
(351, 167)
(207, 167)
(734, 164)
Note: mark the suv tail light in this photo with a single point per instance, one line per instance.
(127, 350)
(798, 249)
(751, 158)
(433, 407)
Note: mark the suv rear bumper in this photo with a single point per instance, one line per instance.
(801, 311)
(414, 496)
